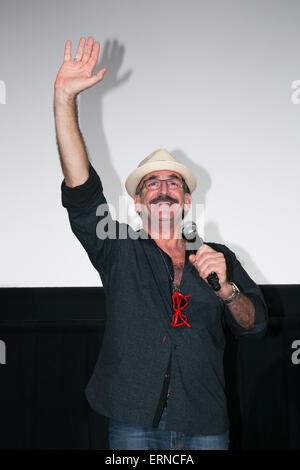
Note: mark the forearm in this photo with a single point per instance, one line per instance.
(241, 308)
(71, 147)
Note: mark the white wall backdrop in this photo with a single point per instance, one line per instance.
(209, 80)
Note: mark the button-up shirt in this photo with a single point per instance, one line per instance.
(142, 354)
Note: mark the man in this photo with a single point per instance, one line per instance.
(159, 376)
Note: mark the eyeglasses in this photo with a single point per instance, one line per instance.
(154, 184)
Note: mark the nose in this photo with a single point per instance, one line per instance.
(163, 187)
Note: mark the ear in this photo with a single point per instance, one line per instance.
(187, 202)
(137, 203)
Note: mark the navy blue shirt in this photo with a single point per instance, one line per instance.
(132, 373)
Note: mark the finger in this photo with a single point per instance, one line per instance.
(97, 77)
(207, 249)
(204, 259)
(80, 49)
(192, 259)
(211, 268)
(94, 56)
(68, 47)
(206, 266)
(101, 72)
(89, 46)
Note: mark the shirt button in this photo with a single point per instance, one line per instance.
(167, 376)
(164, 339)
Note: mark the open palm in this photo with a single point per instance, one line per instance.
(76, 75)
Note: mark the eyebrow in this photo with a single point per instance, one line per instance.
(169, 176)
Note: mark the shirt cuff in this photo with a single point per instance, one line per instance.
(84, 194)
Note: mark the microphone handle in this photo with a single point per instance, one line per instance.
(195, 242)
(213, 280)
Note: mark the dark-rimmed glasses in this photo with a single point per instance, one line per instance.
(155, 183)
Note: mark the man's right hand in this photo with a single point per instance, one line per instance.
(76, 75)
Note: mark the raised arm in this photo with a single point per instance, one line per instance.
(73, 77)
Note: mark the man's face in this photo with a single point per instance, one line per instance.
(163, 203)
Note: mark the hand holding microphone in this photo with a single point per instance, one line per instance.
(210, 264)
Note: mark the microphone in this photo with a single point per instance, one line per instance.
(190, 233)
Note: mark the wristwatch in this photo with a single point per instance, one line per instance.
(236, 292)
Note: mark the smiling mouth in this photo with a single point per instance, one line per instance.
(162, 204)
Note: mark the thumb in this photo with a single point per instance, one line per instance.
(192, 258)
(97, 77)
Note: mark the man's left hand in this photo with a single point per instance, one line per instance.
(207, 261)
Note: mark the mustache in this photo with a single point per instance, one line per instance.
(164, 199)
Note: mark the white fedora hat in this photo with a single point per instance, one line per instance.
(160, 159)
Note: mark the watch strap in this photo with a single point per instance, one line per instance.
(236, 292)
